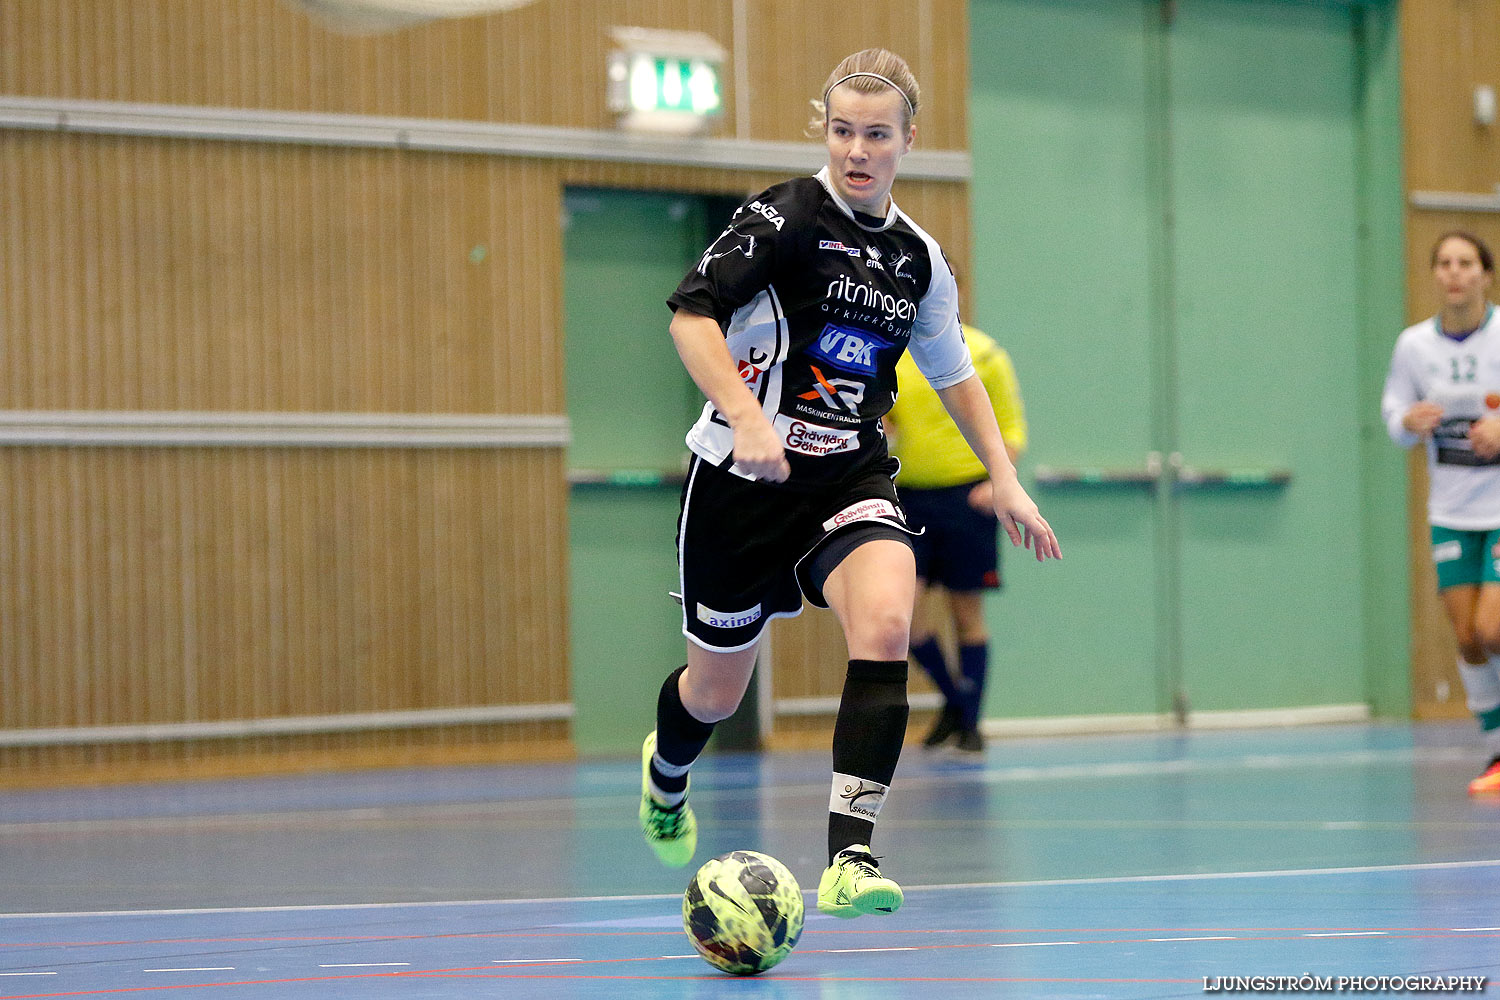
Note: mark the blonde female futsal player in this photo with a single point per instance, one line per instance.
(791, 324)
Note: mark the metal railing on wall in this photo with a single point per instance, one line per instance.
(439, 135)
(140, 428)
(1456, 201)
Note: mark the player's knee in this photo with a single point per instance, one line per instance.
(715, 704)
(884, 631)
(710, 698)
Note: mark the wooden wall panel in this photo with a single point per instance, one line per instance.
(542, 64)
(931, 35)
(182, 584)
(145, 585)
(1448, 47)
(168, 274)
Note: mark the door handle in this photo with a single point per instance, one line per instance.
(1098, 476)
(1186, 477)
(1173, 474)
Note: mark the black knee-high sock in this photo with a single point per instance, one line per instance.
(867, 738)
(680, 737)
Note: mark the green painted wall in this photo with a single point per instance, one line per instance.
(1121, 255)
(1382, 302)
(629, 402)
(1188, 235)
(1063, 199)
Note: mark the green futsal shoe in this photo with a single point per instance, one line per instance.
(672, 833)
(852, 886)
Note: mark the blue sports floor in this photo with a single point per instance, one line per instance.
(1162, 865)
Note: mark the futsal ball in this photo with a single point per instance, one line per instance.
(743, 912)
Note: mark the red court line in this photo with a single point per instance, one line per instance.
(198, 986)
(833, 929)
(778, 978)
(511, 972)
(489, 974)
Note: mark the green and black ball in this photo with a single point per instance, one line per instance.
(743, 912)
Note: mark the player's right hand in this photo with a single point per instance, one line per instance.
(1022, 521)
(1422, 418)
(758, 450)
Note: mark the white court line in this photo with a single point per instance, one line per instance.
(532, 961)
(1463, 930)
(1038, 883)
(1349, 934)
(1210, 876)
(316, 907)
(364, 965)
(1031, 944)
(28, 973)
(1219, 937)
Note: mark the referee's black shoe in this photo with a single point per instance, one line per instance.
(969, 743)
(944, 728)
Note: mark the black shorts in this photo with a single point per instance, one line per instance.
(959, 549)
(748, 552)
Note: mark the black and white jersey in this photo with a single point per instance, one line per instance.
(818, 303)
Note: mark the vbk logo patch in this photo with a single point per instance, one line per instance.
(850, 350)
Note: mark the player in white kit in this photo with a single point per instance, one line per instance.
(1443, 389)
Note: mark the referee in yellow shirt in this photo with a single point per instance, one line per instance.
(944, 489)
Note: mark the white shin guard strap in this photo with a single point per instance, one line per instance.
(857, 797)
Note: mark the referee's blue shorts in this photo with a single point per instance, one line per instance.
(959, 549)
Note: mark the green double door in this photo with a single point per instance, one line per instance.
(1168, 238)
(630, 403)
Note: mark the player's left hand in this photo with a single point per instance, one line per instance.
(1484, 435)
(1022, 521)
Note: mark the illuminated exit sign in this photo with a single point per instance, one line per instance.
(665, 81)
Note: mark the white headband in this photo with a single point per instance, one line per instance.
(876, 76)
